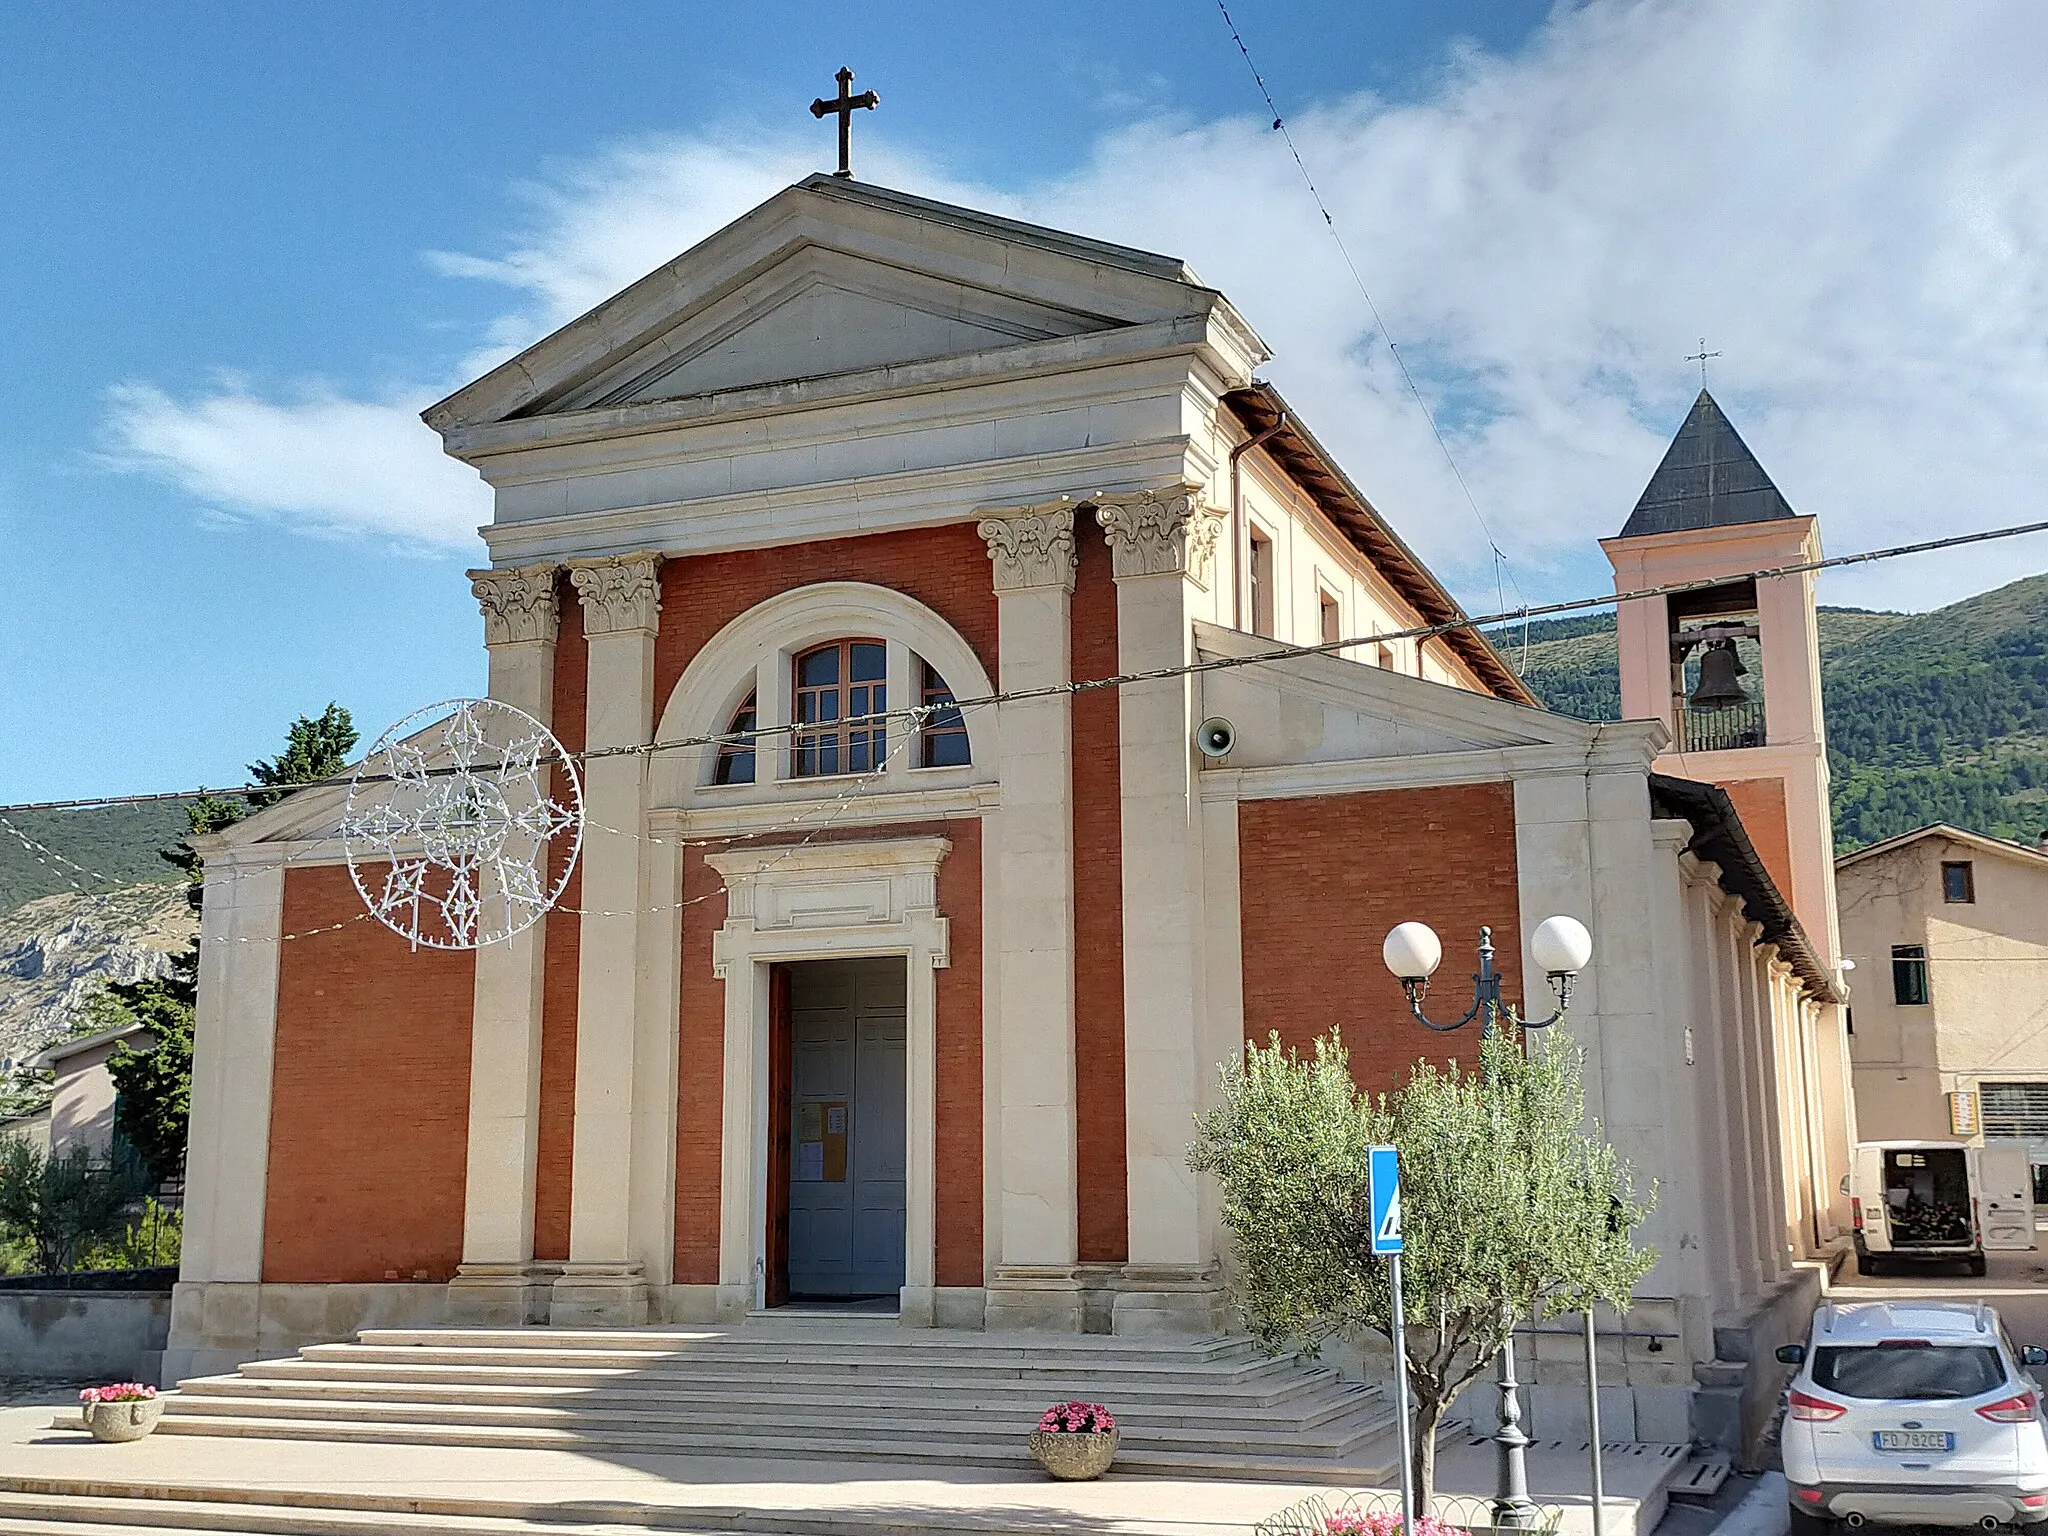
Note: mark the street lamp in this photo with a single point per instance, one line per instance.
(1561, 946)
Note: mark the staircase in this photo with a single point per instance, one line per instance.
(837, 1391)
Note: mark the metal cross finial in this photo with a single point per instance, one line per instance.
(1699, 357)
(845, 106)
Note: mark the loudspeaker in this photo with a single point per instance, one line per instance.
(1215, 736)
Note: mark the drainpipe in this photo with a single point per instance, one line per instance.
(1237, 521)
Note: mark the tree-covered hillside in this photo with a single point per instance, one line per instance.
(117, 844)
(1938, 716)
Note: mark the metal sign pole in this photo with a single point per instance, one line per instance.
(1593, 1422)
(1383, 1191)
(1401, 1400)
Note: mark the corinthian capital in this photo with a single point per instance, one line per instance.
(619, 592)
(518, 603)
(1156, 533)
(1031, 546)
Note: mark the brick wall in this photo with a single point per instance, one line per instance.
(700, 1076)
(1103, 1188)
(1322, 879)
(1761, 805)
(959, 1193)
(562, 945)
(369, 1108)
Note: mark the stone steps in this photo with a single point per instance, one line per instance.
(774, 1403)
(858, 1393)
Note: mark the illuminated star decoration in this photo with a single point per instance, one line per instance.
(451, 821)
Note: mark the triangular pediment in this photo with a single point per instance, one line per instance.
(1708, 478)
(832, 279)
(817, 313)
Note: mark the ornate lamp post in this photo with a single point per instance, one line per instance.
(1562, 947)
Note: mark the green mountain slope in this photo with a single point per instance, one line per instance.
(116, 844)
(1938, 716)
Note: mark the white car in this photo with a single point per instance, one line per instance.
(1913, 1413)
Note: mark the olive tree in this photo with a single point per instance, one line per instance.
(1512, 1206)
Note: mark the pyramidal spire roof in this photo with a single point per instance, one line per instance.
(1708, 479)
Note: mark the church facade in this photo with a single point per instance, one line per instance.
(845, 1008)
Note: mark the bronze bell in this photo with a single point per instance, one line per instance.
(1719, 667)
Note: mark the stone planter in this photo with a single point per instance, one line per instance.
(1072, 1457)
(116, 1422)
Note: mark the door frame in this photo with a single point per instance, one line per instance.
(832, 901)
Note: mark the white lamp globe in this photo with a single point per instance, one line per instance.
(1561, 946)
(1412, 951)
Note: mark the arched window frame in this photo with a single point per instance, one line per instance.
(755, 654)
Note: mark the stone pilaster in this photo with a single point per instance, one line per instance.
(1033, 563)
(498, 1283)
(1159, 542)
(605, 1281)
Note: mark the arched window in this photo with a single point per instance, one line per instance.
(736, 753)
(840, 698)
(943, 741)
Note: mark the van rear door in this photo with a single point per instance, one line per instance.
(1866, 1189)
(2005, 1198)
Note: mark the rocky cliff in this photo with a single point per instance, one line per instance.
(54, 951)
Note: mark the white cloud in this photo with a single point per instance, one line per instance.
(1849, 204)
(325, 464)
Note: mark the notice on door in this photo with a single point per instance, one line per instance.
(820, 1142)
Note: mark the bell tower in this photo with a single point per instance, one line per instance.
(1733, 667)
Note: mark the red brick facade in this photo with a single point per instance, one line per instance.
(561, 959)
(1103, 1188)
(369, 1096)
(1322, 879)
(1761, 805)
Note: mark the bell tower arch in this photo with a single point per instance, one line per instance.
(1733, 668)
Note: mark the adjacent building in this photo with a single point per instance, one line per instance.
(1949, 933)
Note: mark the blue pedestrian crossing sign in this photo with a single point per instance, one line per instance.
(1383, 1175)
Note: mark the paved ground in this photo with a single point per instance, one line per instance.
(561, 1485)
(2017, 1286)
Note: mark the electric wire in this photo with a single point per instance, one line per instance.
(915, 714)
(1501, 562)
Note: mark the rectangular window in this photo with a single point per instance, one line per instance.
(1386, 657)
(1909, 974)
(1958, 882)
(1261, 584)
(840, 701)
(1333, 623)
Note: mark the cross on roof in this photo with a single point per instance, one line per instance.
(845, 106)
(1699, 357)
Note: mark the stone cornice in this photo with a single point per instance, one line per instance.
(1160, 532)
(1031, 546)
(620, 593)
(518, 603)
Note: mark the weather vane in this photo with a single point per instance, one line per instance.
(845, 106)
(453, 820)
(1701, 357)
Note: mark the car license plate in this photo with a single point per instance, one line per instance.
(1913, 1440)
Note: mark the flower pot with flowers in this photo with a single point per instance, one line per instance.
(1075, 1441)
(127, 1410)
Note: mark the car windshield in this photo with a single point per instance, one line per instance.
(1913, 1372)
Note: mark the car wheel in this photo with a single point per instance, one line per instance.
(1866, 1264)
(1806, 1523)
(1978, 1265)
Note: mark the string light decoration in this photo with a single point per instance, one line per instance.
(451, 821)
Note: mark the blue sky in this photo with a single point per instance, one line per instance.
(240, 245)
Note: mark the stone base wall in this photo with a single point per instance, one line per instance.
(84, 1336)
(218, 1325)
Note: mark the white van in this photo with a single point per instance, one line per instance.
(1939, 1200)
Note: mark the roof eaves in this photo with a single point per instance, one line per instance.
(1260, 406)
(1720, 838)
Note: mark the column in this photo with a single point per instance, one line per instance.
(1160, 541)
(604, 1284)
(498, 1284)
(1036, 1284)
